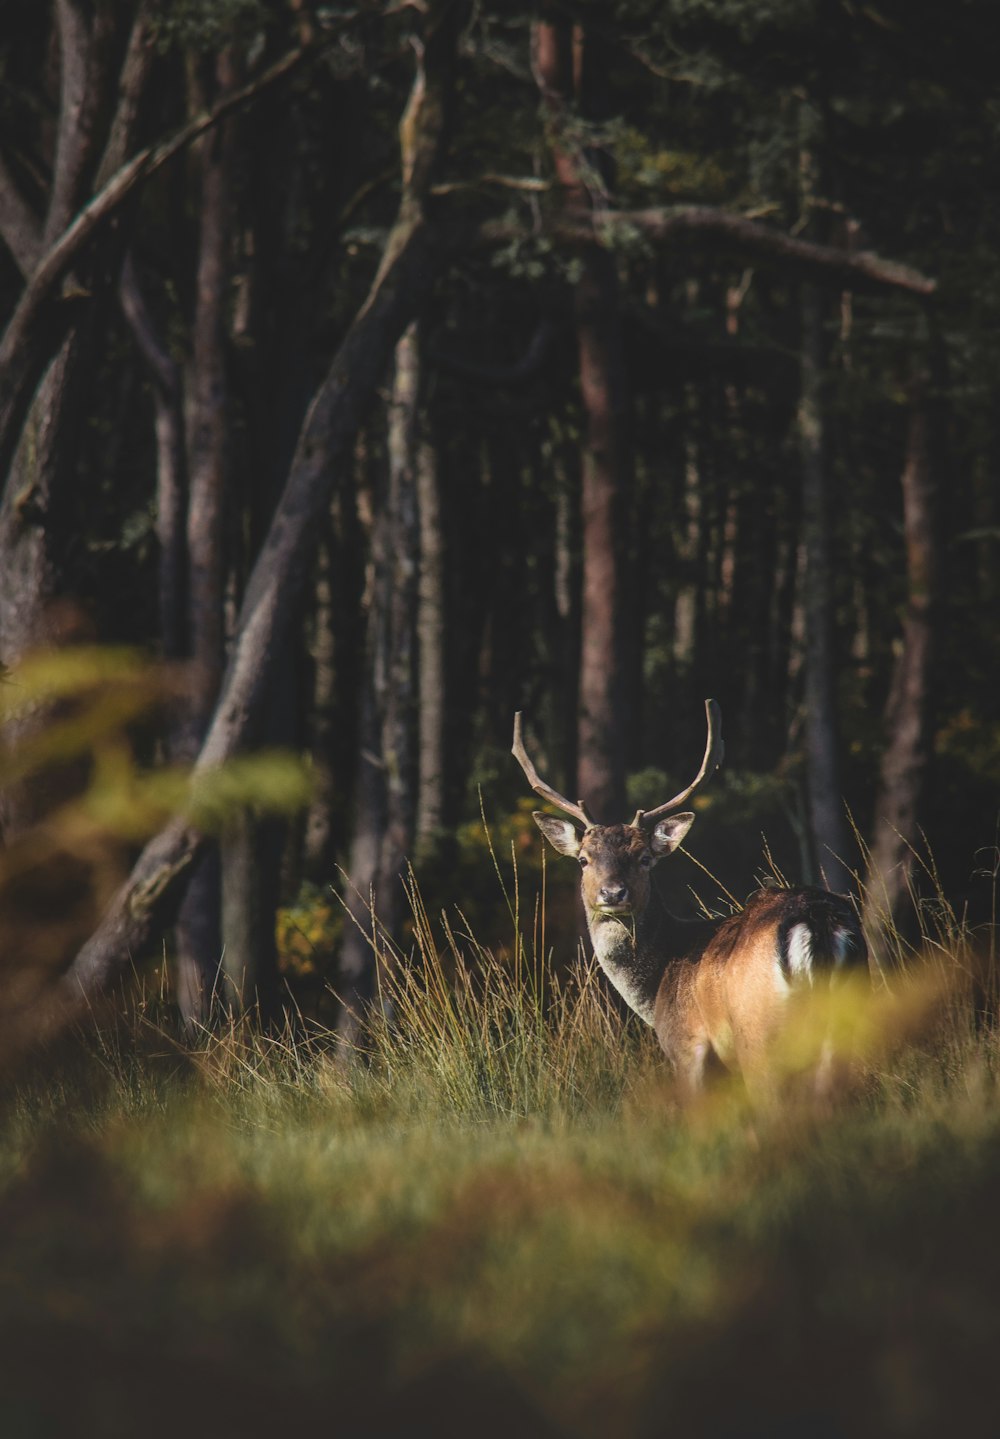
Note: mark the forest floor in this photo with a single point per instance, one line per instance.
(499, 1223)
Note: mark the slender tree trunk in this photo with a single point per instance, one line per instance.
(386, 802)
(36, 607)
(430, 649)
(565, 66)
(199, 933)
(827, 820)
(171, 465)
(908, 710)
(317, 843)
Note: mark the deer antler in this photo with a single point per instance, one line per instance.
(578, 811)
(714, 751)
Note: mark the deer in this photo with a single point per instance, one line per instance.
(718, 993)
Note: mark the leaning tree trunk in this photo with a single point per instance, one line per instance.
(564, 65)
(888, 908)
(408, 267)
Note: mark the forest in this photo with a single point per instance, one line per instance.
(392, 370)
(370, 373)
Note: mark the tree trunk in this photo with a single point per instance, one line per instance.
(171, 478)
(36, 506)
(199, 932)
(386, 801)
(430, 650)
(564, 65)
(827, 820)
(408, 266)
(908, 710)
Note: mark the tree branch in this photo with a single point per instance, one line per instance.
(861, 268)
(86, 39)
(132, 87)
(28, 343)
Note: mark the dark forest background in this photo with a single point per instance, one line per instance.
(398, 367)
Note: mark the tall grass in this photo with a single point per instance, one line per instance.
(494, 1219)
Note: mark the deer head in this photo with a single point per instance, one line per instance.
(616, 859)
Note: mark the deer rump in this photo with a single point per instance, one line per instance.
(736, 997)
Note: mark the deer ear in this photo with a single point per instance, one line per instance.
(562, 834)
(669, 832)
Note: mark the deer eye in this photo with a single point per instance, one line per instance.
(646, 859)
(584, 861)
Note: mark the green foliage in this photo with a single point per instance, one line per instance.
(308, 933)
(209, 24)
(89, 716)
(667, 173)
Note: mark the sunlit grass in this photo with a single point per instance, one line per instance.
(492, 1217)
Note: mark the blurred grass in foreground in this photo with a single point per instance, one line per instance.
(496, 1222)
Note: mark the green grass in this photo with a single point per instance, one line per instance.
(495, 1223)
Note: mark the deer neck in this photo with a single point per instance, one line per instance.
(622, 948)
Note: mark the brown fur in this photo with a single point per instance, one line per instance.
(717, 989)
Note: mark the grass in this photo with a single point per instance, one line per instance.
(496, 1222)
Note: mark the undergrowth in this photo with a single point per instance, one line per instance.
(494, 1218)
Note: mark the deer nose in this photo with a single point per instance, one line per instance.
(613, 894)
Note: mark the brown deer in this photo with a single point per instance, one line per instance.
(713, 990)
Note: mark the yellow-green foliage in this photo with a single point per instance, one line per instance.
(78, 741)
(308, 932)
(668, 174)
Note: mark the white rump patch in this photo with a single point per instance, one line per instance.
(799, 954)
(843, 946)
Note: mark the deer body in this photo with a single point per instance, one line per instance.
(713, 990)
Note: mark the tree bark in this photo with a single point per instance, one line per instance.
(199, 931)
(408, 266)
(385, 805)
(827, 819)
(42, 317)
(36, 504)
(827, 816)
(171, 466)
(430, 649)
(563, 67)
(908, 726)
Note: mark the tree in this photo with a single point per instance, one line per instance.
(628, 344)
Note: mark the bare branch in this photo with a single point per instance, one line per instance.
(86, 42)
(750, 238)
(132, 86)
(532, 184)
